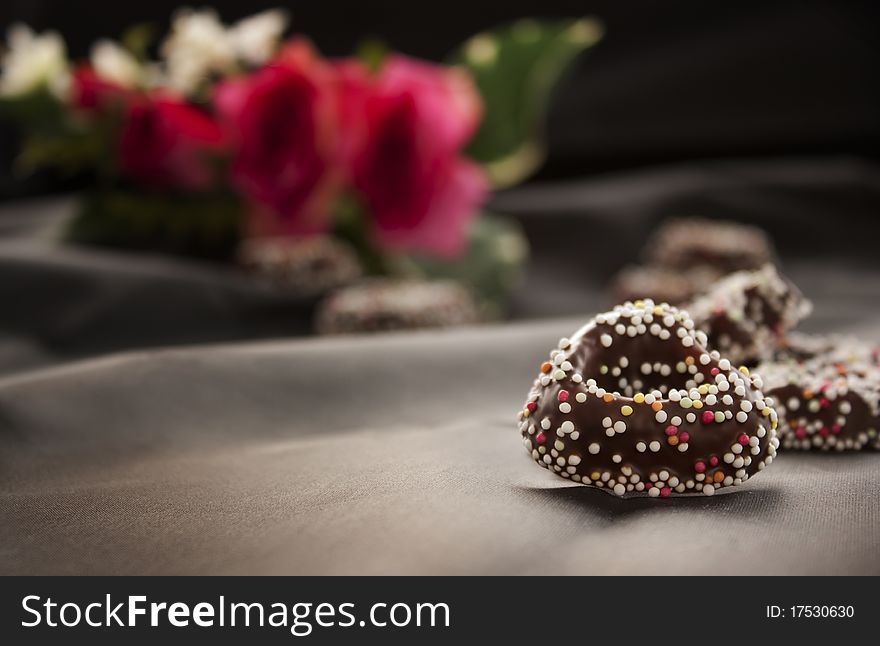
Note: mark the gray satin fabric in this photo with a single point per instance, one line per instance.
(390, 455)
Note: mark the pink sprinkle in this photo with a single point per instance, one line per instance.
(801, 433)
(744, 439)
(824, 403)
(562, 396)
(836, 429)
(665, 491)
(713, 461)
(540, 438)
(532, 406)
(671, 430)
(825, 431)
(684, 437)
(700, 467)
(714, 371)
(708, 417)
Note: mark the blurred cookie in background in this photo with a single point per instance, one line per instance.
(661, 284)
(684, 257)
(685, 243)
(384, 304)
(301, 266)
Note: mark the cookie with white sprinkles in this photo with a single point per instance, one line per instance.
(747, 315)
(636, 404)
(828, 394)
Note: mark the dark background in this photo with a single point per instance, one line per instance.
(673, 79)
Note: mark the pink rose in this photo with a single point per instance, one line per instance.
(91, 93)
(168, 142)
(406, 160)
(283, 121)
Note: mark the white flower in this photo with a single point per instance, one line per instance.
(116, 64)
(200, 45)
(256, 38)
(197, 47)
(34, 61)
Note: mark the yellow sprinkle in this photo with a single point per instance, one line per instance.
(697, 404)
(639, 398)
(595, 475)
(658, 310)
(703, 389)
(766, 411)
(744, 370)
(626, 410)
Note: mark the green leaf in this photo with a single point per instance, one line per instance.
(38, 108)
(372, 53)
(491, 266)
(197, 225)
(516, 68)
(138, 38)
(69, 152)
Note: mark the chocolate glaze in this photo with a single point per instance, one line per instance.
(684, 459)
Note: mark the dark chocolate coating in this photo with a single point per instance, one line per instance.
(685, 458)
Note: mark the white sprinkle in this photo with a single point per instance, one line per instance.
(593, 448)
(654, 446)
(640, 447)
(564, 407)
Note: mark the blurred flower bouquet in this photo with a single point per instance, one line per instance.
(236, 132)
